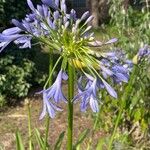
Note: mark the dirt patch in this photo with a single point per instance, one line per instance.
(16, 118)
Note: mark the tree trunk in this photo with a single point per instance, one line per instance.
(94, 12)
(99, 9)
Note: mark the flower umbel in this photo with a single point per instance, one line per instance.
(70, 37)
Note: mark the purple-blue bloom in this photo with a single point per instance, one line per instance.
(50, 3)
(85, 15)
(145, 51)
(52, 27)
(23, 42)
(55, 91)
(53, 96)
(11, 31)
(48, 106)
(73, 15)
(7, 39)
(88, 95)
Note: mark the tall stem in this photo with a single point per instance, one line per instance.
(29, 125)
(70, 107)
(47, 117)
(115, 128)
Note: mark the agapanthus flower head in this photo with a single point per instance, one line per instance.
(143, 53)
(72, 38)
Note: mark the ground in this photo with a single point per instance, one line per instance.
(16, 118)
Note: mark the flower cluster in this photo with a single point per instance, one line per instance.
(143, 53)
(71, 37)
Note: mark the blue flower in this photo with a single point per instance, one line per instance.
(48, 106)
(23, 42)
(7, 39)
(88, 95)
(73, 15)
(53, 96)
(120, 74)
(109, 89)
(145, 51)
(12, 31)
(55, 91)
(63, 6)
(51, 3)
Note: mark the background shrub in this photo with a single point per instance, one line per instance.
(19, 71)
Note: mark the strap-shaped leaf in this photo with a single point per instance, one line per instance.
(100, 144)
(19, 143)
(39, 139)
(59, 141)
(81, 138)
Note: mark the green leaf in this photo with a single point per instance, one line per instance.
(39, 139)
(137, 115)
(1, 148)
(59, 141)
(100, 144)
(81, 138)
(19, 142)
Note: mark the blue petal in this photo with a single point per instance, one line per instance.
(18, 24)
(63, 6)
(64, 76)
(56, 107)
(40, 10)
(57, 3)
(5, 38)
(73, 14)
(24, 41)
(50, 110)
(112, 41)
(44, 107)
(94, 104)
(121, 77)
(89, 20)
(110, 90)
(10, 31)
(45, 11)
(85, 15)
(56, 15)
(106, 70)
(118, 68)
(30, 4)
(84, 104)
(50, 3)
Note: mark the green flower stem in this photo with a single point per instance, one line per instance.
(29, 125)
(115, 128)
(70, 107)
(47, 117)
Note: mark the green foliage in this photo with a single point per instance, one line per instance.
(18, 73)
(130, 23)
(39, 139)
(131, 27)
(14, 77)
(59, 141)
(10, 9)
(81, 138)
(2, 101)
(19, 143)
